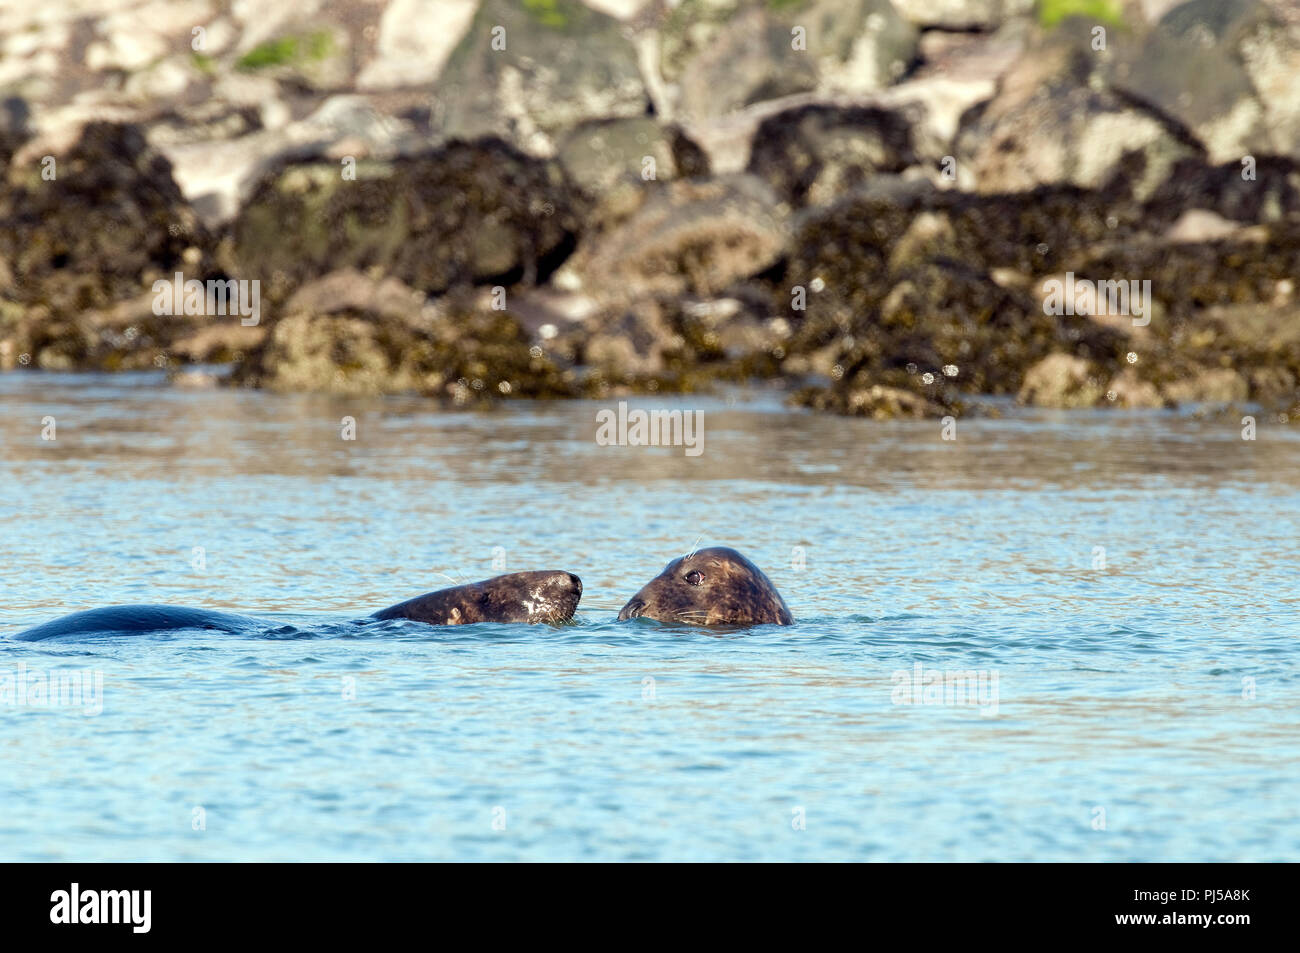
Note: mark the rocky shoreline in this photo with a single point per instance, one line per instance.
(870, 204)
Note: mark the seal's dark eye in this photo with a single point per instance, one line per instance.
(695, 577)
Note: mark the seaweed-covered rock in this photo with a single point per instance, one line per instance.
(1041, 230)
(348, 335)
(1221, 385)
(1265, 189)
(528, 70)
(107, 223)
(1062, 380)
(926, 291)
(130, 335)
(813, 154)
(473, 212)
(954, 328)
(687, 237)
(1186, 278)
(660, 343)
(1224, 304)
(860, 398)
(850, 247)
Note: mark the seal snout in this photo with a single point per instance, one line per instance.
(561, 594)
(567, 585)
(632, 610)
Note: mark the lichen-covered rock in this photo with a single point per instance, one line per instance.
(603, 155)
(1188, 67)
(1227, 69)
(722, 55)
(529, 70)
(814, 154)
(1050, 123)
(473, 212)
(1271, 53)
(859, 45)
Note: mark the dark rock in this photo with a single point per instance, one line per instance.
(1273, 193)
(473, 212)
(15, 129)
(813, 154)
(110, 223)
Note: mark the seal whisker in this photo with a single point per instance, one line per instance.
(695, 546)
(692, 615)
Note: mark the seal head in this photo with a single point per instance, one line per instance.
(715, 586)
(549, 596)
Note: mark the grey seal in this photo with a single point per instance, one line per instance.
(715, 586)
(527, 597)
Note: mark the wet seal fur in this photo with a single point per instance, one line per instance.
(525, 597)
(715, 586)
(529, 597)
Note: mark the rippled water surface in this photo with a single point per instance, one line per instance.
(1129, 579)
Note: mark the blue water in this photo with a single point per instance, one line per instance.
(1147, 701)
